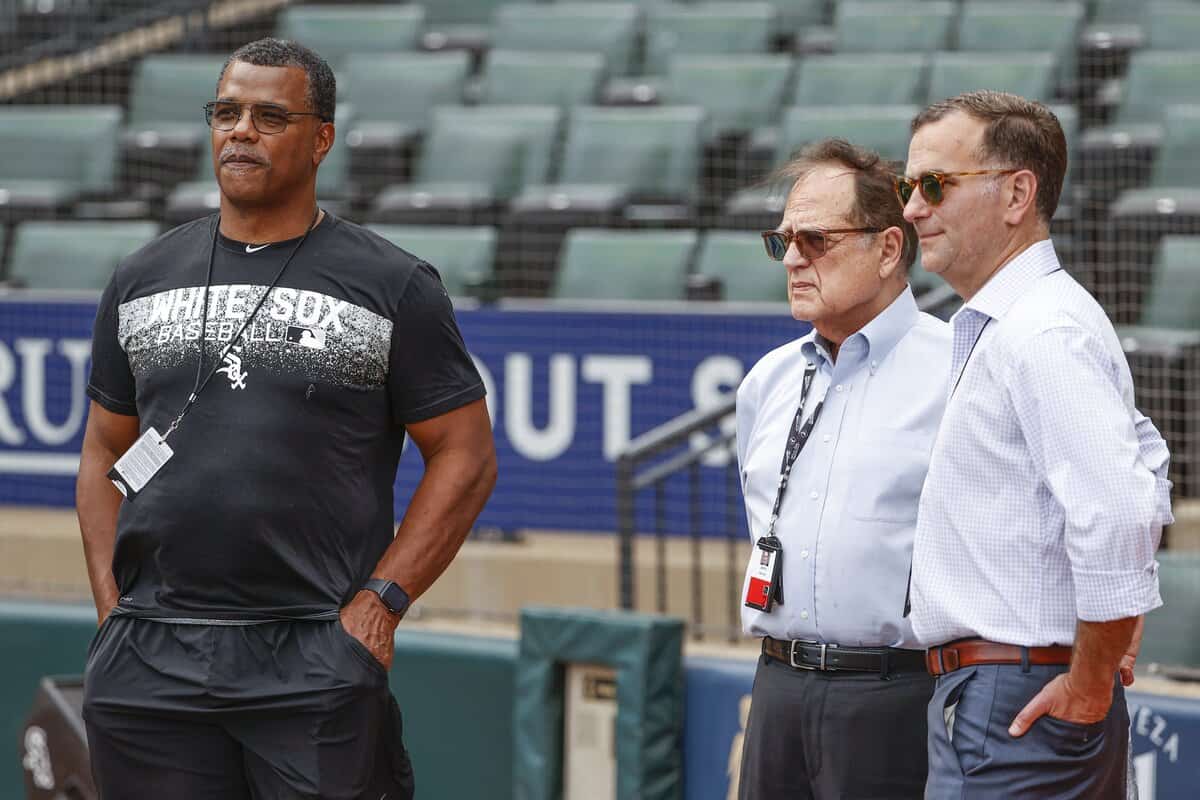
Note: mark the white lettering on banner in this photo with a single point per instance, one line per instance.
(712, 382)
(33, 387)
(10, 434)
(553, 440)
(617, 374)
(1154, 727)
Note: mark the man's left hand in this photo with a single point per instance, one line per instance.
(1131, 653)
(1061, 700)
(368, 620)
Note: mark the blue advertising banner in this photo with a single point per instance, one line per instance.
(567, 390)
(1163, 730)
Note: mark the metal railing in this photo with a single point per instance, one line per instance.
(645, 464)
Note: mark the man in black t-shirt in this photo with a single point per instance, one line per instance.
(262, 368)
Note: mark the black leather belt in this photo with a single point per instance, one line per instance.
(801, 654)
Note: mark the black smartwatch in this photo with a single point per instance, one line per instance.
(394, 598)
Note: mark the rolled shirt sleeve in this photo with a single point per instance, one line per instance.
(1102, 464)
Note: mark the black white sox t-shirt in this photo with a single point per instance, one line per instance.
(278, 501)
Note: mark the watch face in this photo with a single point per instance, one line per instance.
(395, 598)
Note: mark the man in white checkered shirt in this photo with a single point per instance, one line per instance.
(1047, 492)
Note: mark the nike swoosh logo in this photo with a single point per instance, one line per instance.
(250, 249)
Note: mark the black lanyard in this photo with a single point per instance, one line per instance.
(797, 438)
(199, 384)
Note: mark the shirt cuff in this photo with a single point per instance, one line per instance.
(1109, 596)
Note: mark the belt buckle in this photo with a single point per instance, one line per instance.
(821, 665)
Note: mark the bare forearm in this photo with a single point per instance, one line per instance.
(444, 506)
(1097, 654)
(97, 502)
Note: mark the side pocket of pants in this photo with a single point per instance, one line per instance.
(946, 720)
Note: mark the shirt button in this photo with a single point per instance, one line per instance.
(813, 495)
(837, 388)
(804, 554)
(804, 614)
(826, 438)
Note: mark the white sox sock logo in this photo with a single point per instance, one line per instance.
(233, 369)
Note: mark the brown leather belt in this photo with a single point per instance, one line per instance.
(820, 657)
(968, 652)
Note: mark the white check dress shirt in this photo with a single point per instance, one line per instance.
(1047, 490)
(850, 510)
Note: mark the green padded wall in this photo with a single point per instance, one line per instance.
(647, 652)
(39, 639)
(455, 693)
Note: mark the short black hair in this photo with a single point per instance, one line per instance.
(322, 86)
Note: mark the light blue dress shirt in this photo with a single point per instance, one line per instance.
(1047, 490)
(850, 511)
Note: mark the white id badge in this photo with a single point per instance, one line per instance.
(140, 463)
(761, 591)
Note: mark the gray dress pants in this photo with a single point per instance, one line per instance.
(972, 756)
(834, 735)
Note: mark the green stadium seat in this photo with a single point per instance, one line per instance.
(538, 78)
(894, 27)
(884, 129)
(624, 265)
(1157, 80)
(797, 15)
(1118, 12)
(861, 79)
(335, 32)
(1169, 638)
(1030, 75)
(1172, 26)
(705, 28)
(394, 94)
(73, 254)
(167, 94)
(1024, 26)
(461, 254)
(442, 13)
(606, 28)
(737, 260)
(1138, 220)
(165, 122)
(1120, 155)
(1174, 297)
(1178, 161)
(474, 159)
(738, 92)
(651, 151)
(55, 154)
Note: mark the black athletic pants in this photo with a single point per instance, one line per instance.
(834, 735)
(271, 711)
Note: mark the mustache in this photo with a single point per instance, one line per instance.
(239, 154)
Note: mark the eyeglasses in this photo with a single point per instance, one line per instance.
(268, 119)
(813, 243)
(933, 184)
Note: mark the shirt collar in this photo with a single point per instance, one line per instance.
(1014, 279)
(879, 335)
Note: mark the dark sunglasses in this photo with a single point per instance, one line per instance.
(933, 184)
(268, 119)
(813, 243)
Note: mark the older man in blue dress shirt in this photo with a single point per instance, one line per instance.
(839, 697)
(1047, 490)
